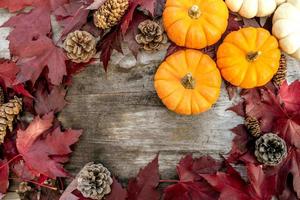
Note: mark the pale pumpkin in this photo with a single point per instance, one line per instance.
(188, 82)
(248, 57)
(253, 8)
(286, 27)
(195, 23)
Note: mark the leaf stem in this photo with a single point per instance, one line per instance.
(7, 163)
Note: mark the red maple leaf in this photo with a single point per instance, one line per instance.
(109, 42)
(148, 5)
(8, 72)
(232, 186)
(117, 191)
(191, 185)
(49, 55)
(277, 113)
(4, 172)
(15, 5)
(144, 186)
(46, 102)
(45, 152)
(72, 16)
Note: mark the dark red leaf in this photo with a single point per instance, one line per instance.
(290, 166)
(190, 191)
(4, 172)
(72, 16)
(144, 186)
(290, 96)
(15, 5)
(8, 72)
(28, 29)
(46, 155)
(110, 42)
(46, 102)
(117, 191)
(132, 32)
(20, 89)
(32, 65)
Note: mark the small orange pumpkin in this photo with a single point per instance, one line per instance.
(188, 82)
(195, 23)
(248, 57)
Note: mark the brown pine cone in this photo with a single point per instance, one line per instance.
(8, 112)
(280, 76)
(80, 46)
(270, 149)
(253, 126)
(151, 36)
(110, 13)
(94, 181)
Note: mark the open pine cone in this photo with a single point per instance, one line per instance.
(94, 181)
(80, 46)
(8, 112)
(110, 13)
(270, 149)
(253, 126)
(151, 36)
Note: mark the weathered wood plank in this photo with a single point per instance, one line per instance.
(125, 124)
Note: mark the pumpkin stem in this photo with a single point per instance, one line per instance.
(252, 56)
(194, 12)
(188, 81)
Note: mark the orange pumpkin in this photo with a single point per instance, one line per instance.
(249, 57)
(195, 23)
(188, 82)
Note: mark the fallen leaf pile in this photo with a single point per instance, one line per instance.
(39, 72)
(277, 112)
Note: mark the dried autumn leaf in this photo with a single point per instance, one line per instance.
(290, 96)
(290, 166)
(191, 185)
(8, 72)
(4, 173)
(148, 5)
(144, 186)
(15, 5)
(45, 153)
(72, 16)
(117, 191)
(232, 186)
(46, 102)
(109, 42)
(96, 4)
(48, 55)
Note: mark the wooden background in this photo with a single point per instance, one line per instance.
(125, 124)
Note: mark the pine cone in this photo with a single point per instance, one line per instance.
(94, 181)
(110, 13)
(253, 126)
(270, 149)
(280, 76)
(151, 36)
(80, 46)
(8, 112)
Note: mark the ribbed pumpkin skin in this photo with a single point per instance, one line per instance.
(171, 90)
(195, 33)
(234, 65)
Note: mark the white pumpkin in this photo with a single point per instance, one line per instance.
(286, 27)
(253, 8)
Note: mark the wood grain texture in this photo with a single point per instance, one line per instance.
(125, 124)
